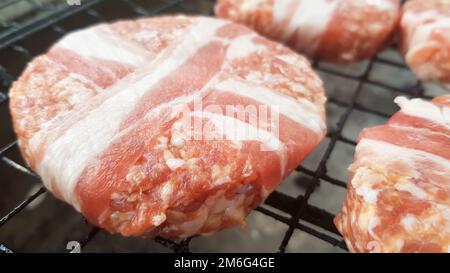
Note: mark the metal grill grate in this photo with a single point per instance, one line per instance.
(20, 41)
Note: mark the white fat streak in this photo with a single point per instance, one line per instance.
(369, 194)
(301, 111)
(281, 9)
(101, 42)
(243, 46)
(408, 222)
(311, 19)
(413, 189)
(446, 114)
(424, 109)
(158, 219)
(289, 58)
(146, 35)
(67, 157)
(364, 182)
(249, 5)
(222, 180)
(446, 214)
(387, 5)
(237, 131)
(393, 152)
(374, 221)
(174, 163)
(85, 80)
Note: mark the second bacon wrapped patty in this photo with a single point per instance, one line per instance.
(342, 31)
(425, 29)
(169, 126)
(399, 194)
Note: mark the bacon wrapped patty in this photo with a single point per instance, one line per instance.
(166, 126)
(425, 29)
(342, 31)
(399, 194)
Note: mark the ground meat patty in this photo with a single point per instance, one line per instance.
(169, 126)
(399, 194)
(342, 31)
(425, 28)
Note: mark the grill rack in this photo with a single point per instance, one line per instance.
(303, 216)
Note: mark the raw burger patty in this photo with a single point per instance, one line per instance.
(425, 28)
(131, 123)
(342, 31)
(399, 193)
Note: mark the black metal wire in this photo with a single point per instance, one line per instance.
(21, 206)
(20, 31)
(302, 215)
(4, 249)
(9, 3)
(89, 236)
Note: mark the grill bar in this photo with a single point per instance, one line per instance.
(16, 33)
(90, 236)
(301, 215)
(5, 249)
(325, 237)
(21, 206)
